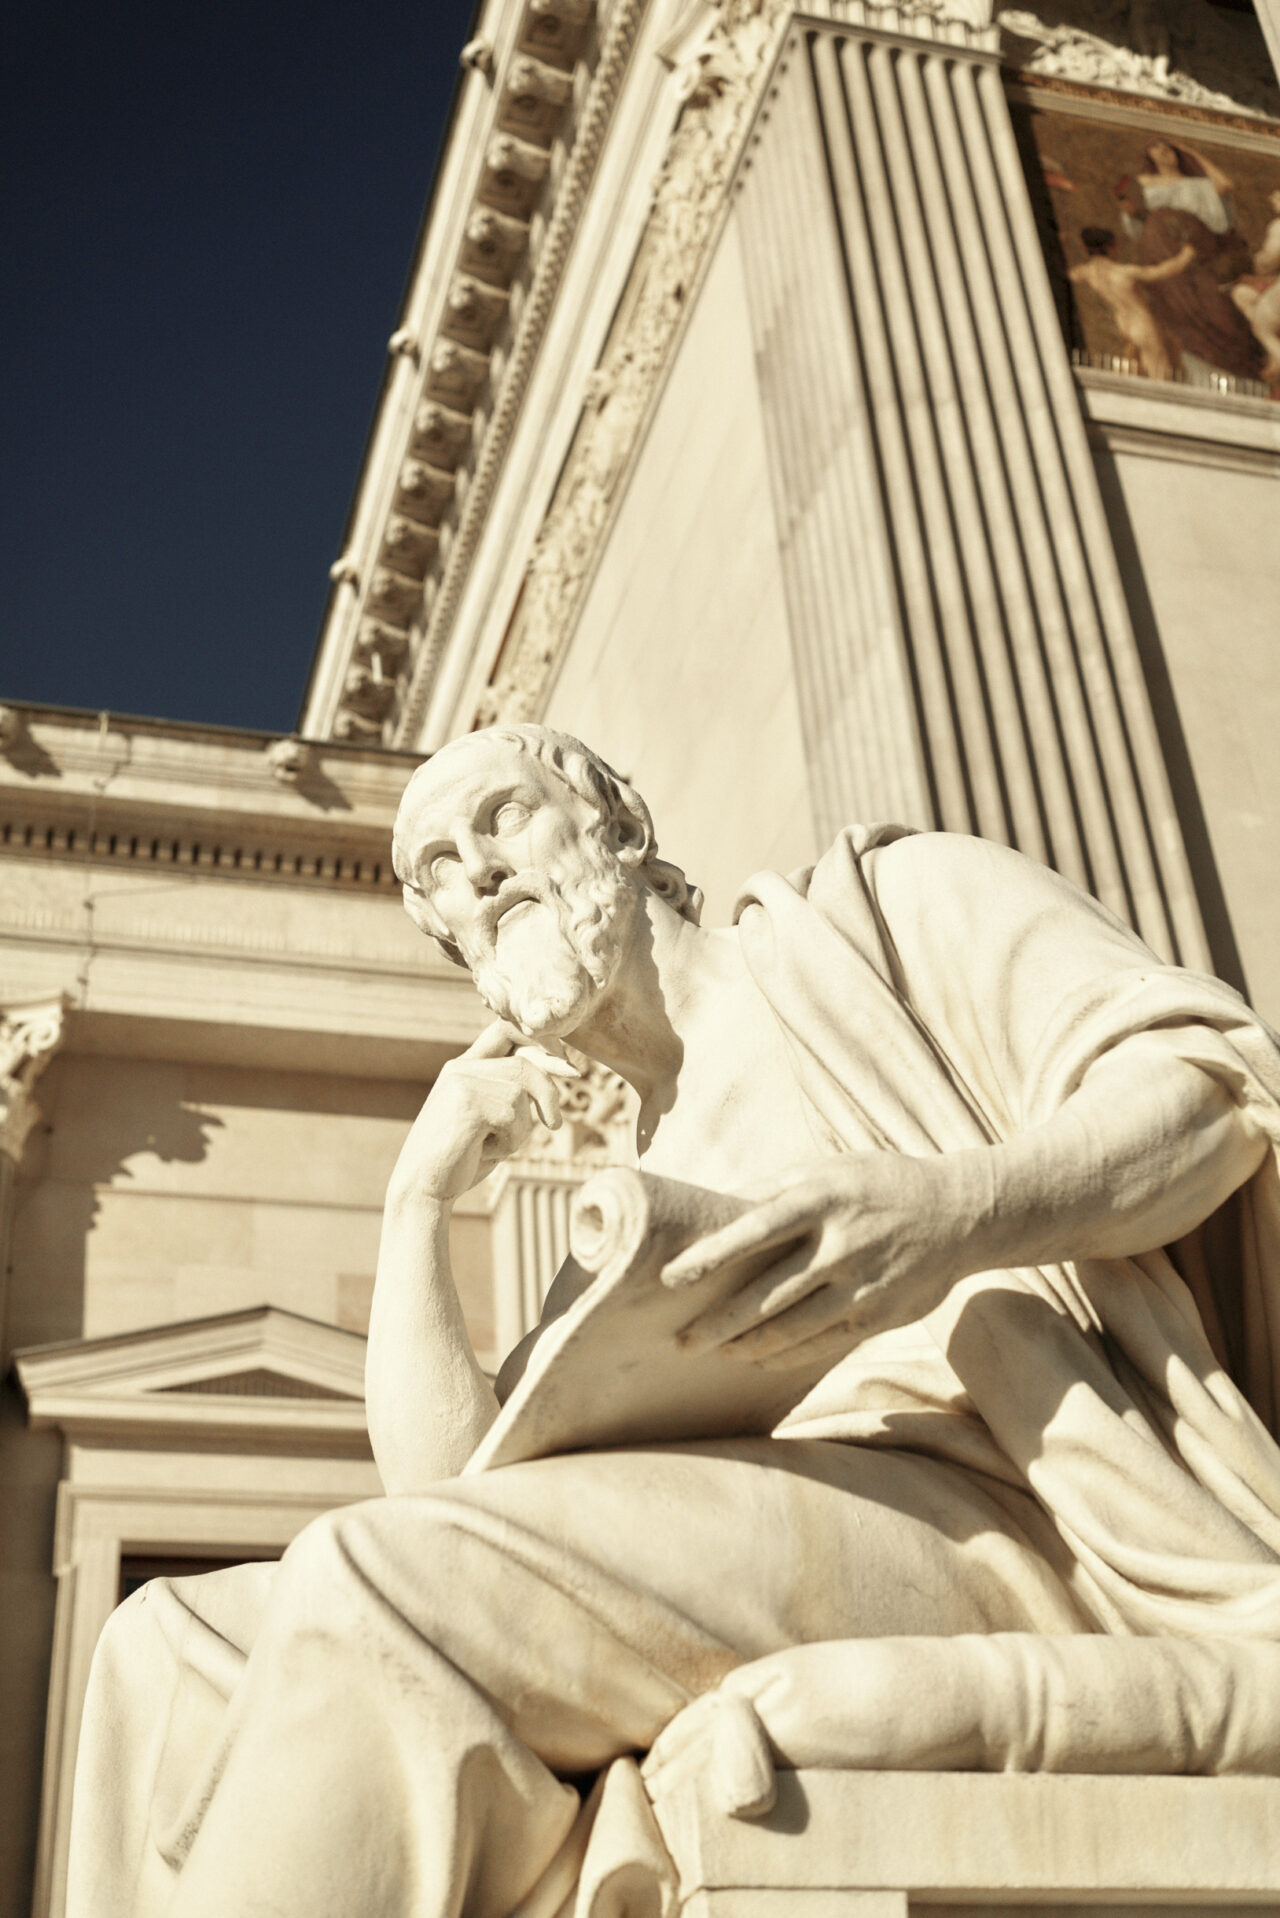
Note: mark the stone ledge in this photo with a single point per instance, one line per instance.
(974, 1841)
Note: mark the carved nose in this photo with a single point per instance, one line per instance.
(481, 863)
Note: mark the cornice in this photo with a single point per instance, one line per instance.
(137, 793)
(724, 65)
(463, 365)
(203, 1382)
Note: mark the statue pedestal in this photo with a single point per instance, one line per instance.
(882, 1844)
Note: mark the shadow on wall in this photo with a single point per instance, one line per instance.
(54, 1213)
(1186, 796)
(46, 1303)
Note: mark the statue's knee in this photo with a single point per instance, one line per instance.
(327, 1550)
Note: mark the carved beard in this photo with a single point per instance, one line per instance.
(548, 962)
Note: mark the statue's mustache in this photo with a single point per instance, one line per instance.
(514, 892)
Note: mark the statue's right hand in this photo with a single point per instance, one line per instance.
(480, 1111)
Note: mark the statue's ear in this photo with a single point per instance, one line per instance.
(630, 829)
(426, 921)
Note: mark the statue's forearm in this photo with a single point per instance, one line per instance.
(1141, 1154)
(428, 1402)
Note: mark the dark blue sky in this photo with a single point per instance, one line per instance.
(210, 208)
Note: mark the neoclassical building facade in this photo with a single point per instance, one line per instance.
(864, 412)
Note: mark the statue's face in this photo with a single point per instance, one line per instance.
(515, 868)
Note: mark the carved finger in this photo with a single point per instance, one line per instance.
(780, 1341)
(775, 1291)
(498, 1041)
(759, 1230)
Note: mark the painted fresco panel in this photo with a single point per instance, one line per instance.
(1162, 231)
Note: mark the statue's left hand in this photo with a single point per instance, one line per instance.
(863, 1243)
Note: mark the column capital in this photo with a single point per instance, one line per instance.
(29, 1037)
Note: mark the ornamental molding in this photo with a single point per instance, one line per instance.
(393, 607)
(263, 1378)
(598, 1122)
(1179, 50)
(29, 1037)
(723, 59)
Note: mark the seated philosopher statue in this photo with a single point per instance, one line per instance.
(1018, 1183)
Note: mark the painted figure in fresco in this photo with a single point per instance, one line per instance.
(1182, 198)
(1257, 294)
(1123, 287)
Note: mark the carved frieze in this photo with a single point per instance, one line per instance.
(29, 1037)
(1185, 50)
(718, 77)
(461, 365)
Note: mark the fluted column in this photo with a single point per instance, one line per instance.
(964, 654)
(530, 1227)
(29, 1037)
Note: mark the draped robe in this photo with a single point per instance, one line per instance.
(320, 1735)
(938, 993)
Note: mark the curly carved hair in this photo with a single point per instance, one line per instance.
(585, 773)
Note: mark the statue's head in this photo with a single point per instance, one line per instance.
(525, 857)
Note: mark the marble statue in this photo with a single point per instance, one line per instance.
(1005, 1192)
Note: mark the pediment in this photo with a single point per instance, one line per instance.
(264, 1370)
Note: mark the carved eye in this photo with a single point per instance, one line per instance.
(441, 867)
(511, 816)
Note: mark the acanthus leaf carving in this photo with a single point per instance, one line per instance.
(598, 1114)
(717, 79)
(1183, 50)
(29, 1037)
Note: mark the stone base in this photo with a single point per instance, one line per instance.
(882, 1844)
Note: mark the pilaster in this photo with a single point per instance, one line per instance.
(964, 653)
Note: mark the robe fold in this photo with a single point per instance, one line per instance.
(939, 993)
(380, 1725)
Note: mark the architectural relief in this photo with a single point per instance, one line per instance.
(473, 371)
(718, 76)
(897, 1416)
(29, 1037)
(721, 61)
(1184, 50)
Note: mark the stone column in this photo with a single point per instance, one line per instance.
(964, 654)
(530, 1226)
(532, 1195)
(29, 1037)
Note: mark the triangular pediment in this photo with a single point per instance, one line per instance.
(242, 1370)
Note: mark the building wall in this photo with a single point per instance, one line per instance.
(157, 1191)
(175, 1191)
(1203, 565)
(680, 671)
